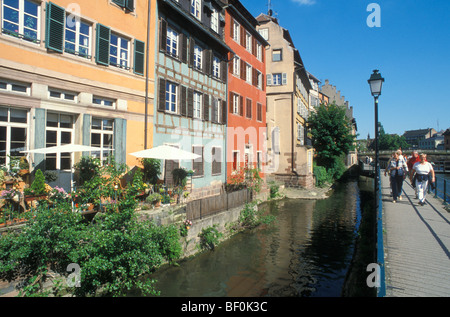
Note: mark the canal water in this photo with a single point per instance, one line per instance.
(306, 253)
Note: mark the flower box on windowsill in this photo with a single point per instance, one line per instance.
(29, 198)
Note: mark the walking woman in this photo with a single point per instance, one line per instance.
(421, 171)
(397, 169)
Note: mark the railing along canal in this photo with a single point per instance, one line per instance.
(441, 187)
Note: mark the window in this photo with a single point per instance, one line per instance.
(236, 105)
(126, 4)
(216, 154)
(259, 80)
(259, 160)
(276, 79)
(235, 160)
(119, 51)
(216, 67)
(12, 86)
(248, 42)
(59, 131)
(277, 55)
(196, 8)
(13, 133)
(77, 37)
(216, 111)
(215, 20)
(103, 101)
(172, 42)
(236, 31)
(21, 18)
(264, 33)
(236, 66)
(198, 101)
(259, 112)
(102, 136)
(198, 57)
(259, 51)
(248, 110)
(62, 95)
(248, 73)
(171, 97)
(197, 164)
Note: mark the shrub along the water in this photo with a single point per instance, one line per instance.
(112, 252)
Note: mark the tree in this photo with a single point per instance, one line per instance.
(389, 142)
(331, 134)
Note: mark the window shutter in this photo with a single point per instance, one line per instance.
(224, 112)
(207, 64)
(190, 103)
(103, 37)
(191, 51)
(284, 80)
(163, 35)
(269, 79)
(231, 101)
(214, 110)
(119, 2)
(55, 27)
(184, 47)
(129, 5)
(223, 70)
(139, 57)
(243, 69)
(183, 99)
(241, 105)
(243, 33)
(206, 107)
(162, 95)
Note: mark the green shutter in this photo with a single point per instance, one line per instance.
(119, 2)
(129, 5)
(139, 59)
(55, 23)
(103, 36)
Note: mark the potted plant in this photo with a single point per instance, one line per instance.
(37, 189)
(155, 199)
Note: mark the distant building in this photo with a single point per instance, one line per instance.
(446, 135)
(413, 137)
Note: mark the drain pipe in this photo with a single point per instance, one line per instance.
(146, 75)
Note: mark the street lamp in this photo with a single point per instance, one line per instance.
(376, 82)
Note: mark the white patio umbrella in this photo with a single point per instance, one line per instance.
(67, 148)
(166, 152)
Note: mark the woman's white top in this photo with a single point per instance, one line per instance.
(423, 169)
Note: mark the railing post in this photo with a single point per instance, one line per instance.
(445, 192)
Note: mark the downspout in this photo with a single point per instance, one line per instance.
(146, 75)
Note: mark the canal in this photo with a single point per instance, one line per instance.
(306, 253)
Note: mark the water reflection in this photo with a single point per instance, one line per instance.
(307, 253)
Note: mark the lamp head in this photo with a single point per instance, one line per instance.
(376, 83)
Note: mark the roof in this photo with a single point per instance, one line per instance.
(414, 133)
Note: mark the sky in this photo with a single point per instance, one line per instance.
(410, 48)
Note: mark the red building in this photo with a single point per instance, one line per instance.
(246, 88)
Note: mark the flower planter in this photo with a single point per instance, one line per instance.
(29, 198)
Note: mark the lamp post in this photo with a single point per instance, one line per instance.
(376, 82)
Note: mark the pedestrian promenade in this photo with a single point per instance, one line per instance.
(416, 245)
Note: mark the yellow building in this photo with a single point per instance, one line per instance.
(75, 73)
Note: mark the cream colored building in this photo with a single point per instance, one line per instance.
(290, 155)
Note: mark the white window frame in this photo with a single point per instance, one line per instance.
(196, 6)
(21, 23)
(104, 102)
(248, 73)
(259, 51)
(11, 84)
(248, 42)
(171, 92)
(238, 160)
(198, 56)
(215, 21)
(78, 34)
(59, 130)
(236, 99)
(264, 33)
(220, 161)
(102, 133)
(236, 31)
(9, 125)
(122, 62)
(216, 67)
(62, 95)
(198, 105)
(172, 41)
(277, 79)
(237, 66)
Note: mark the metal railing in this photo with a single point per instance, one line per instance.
(440, 186)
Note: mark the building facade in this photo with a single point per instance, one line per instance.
(74, 73)
(246, 137)
(290, 159)
(191, 94)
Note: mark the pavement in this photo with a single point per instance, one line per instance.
(416, 244)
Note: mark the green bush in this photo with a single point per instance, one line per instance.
(321, 175)
(152, 170)
(251, 216)
(38, 185)
(209, 238)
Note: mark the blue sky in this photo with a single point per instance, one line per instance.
(411, 49)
